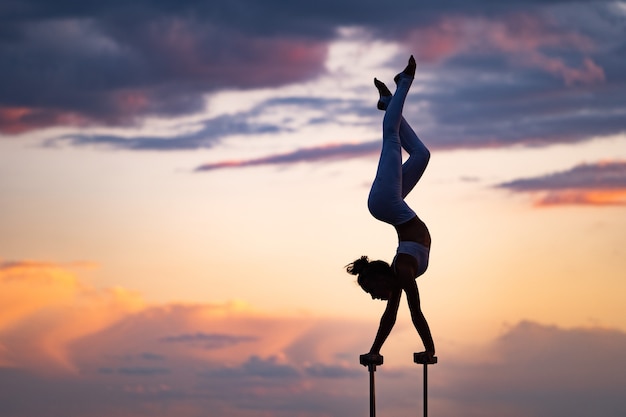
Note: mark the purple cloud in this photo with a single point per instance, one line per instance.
(542, 370)
(602, 175)
(208, 340)
(603, 183)
(532, 369)
(502, 73)
(326, 152)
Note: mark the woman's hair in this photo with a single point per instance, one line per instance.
(368, 270)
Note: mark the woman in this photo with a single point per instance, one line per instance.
(394, 180)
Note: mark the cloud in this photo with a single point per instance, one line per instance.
(532, 369)
(258, 367)
(520, 37)
(45, 308)
(210, 132)
(497, 74)
(153, 360)
(143, 371)
(112, 67)
(601, 184)
(542, 370)
(209, 341)
(29, 286)
(325, 152)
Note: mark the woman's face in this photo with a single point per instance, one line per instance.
(378, 287)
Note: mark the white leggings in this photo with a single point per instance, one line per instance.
(394, 180)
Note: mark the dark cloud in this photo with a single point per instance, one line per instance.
(601, 184)
(212, 131)
(600, 176)
(531, 370)
(544, 370)
(327, 152)
(320, 370)
(256, 367)
(149, 356)
(112, 65)
(500, 73)
(209, 340)
(142, 371)
(273, 368)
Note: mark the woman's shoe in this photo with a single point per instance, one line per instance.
(409, 71)
(385, 94)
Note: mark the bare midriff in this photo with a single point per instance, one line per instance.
(414, 230)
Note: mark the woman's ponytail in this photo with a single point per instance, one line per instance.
(357, 266)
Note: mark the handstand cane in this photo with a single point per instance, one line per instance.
(420, 358)
(371, 362)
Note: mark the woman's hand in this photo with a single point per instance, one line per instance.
(427, 357)
(371, 358)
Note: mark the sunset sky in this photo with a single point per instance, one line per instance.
(183, 182)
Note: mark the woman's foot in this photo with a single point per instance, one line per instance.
(385, 94)
(409, 71)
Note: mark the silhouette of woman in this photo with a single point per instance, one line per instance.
(393, 181)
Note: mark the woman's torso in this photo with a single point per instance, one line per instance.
(414, 230)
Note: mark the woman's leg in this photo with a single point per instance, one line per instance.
(419, 154)
(385, 201)
(385, 198)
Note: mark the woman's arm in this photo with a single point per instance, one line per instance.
(405, 269)
(387, 321)
(419, 321)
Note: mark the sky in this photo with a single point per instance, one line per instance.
(182, 184)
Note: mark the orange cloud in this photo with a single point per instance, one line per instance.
(238, 361)
(228, 334)
(592, 197)
(51, 320)
(45, 308)
(599, 184)
(29, 286)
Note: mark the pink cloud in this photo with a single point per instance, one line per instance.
(218, 56)
(521, 37)
(164, 67)
(600, 184)
(130, 358)
(53, 320)
(16, 120)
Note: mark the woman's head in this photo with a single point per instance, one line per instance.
(375, 278)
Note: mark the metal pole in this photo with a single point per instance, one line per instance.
(425, 390)
(372, 369)
(420, 358)
(371, 361)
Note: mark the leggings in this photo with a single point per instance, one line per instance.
(394, 180)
